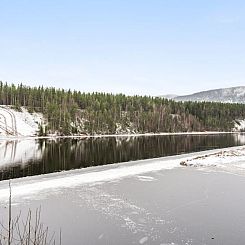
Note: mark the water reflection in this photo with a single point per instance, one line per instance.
(34, 157)
(13, 152)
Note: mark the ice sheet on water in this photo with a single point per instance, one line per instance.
(146, 178)
(139, 221)
(34, 186)
(143, 240)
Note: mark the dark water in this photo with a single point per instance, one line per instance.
(28, 157)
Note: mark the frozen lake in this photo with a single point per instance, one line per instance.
(177, 206)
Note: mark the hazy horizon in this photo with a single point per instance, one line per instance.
(111, 92)
(131, 47)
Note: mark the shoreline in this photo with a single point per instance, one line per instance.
(118, 135)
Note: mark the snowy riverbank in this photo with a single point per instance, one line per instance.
(220, 158)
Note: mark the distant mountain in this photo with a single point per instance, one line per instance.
(224, 95)
(169, 96)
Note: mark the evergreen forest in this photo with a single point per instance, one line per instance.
(73, 112)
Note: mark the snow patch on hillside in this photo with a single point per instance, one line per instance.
(239, 125)
(224, 95)
(19, 123)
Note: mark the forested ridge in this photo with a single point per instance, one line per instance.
(74, 112)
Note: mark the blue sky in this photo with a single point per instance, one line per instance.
(131, 46)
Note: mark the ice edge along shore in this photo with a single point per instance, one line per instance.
(32, 186)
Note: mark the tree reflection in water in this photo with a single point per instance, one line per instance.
(28, 157)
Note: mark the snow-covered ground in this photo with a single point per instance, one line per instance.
(219, 159)
(18, 123)
(239, 125)
(227, 160)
